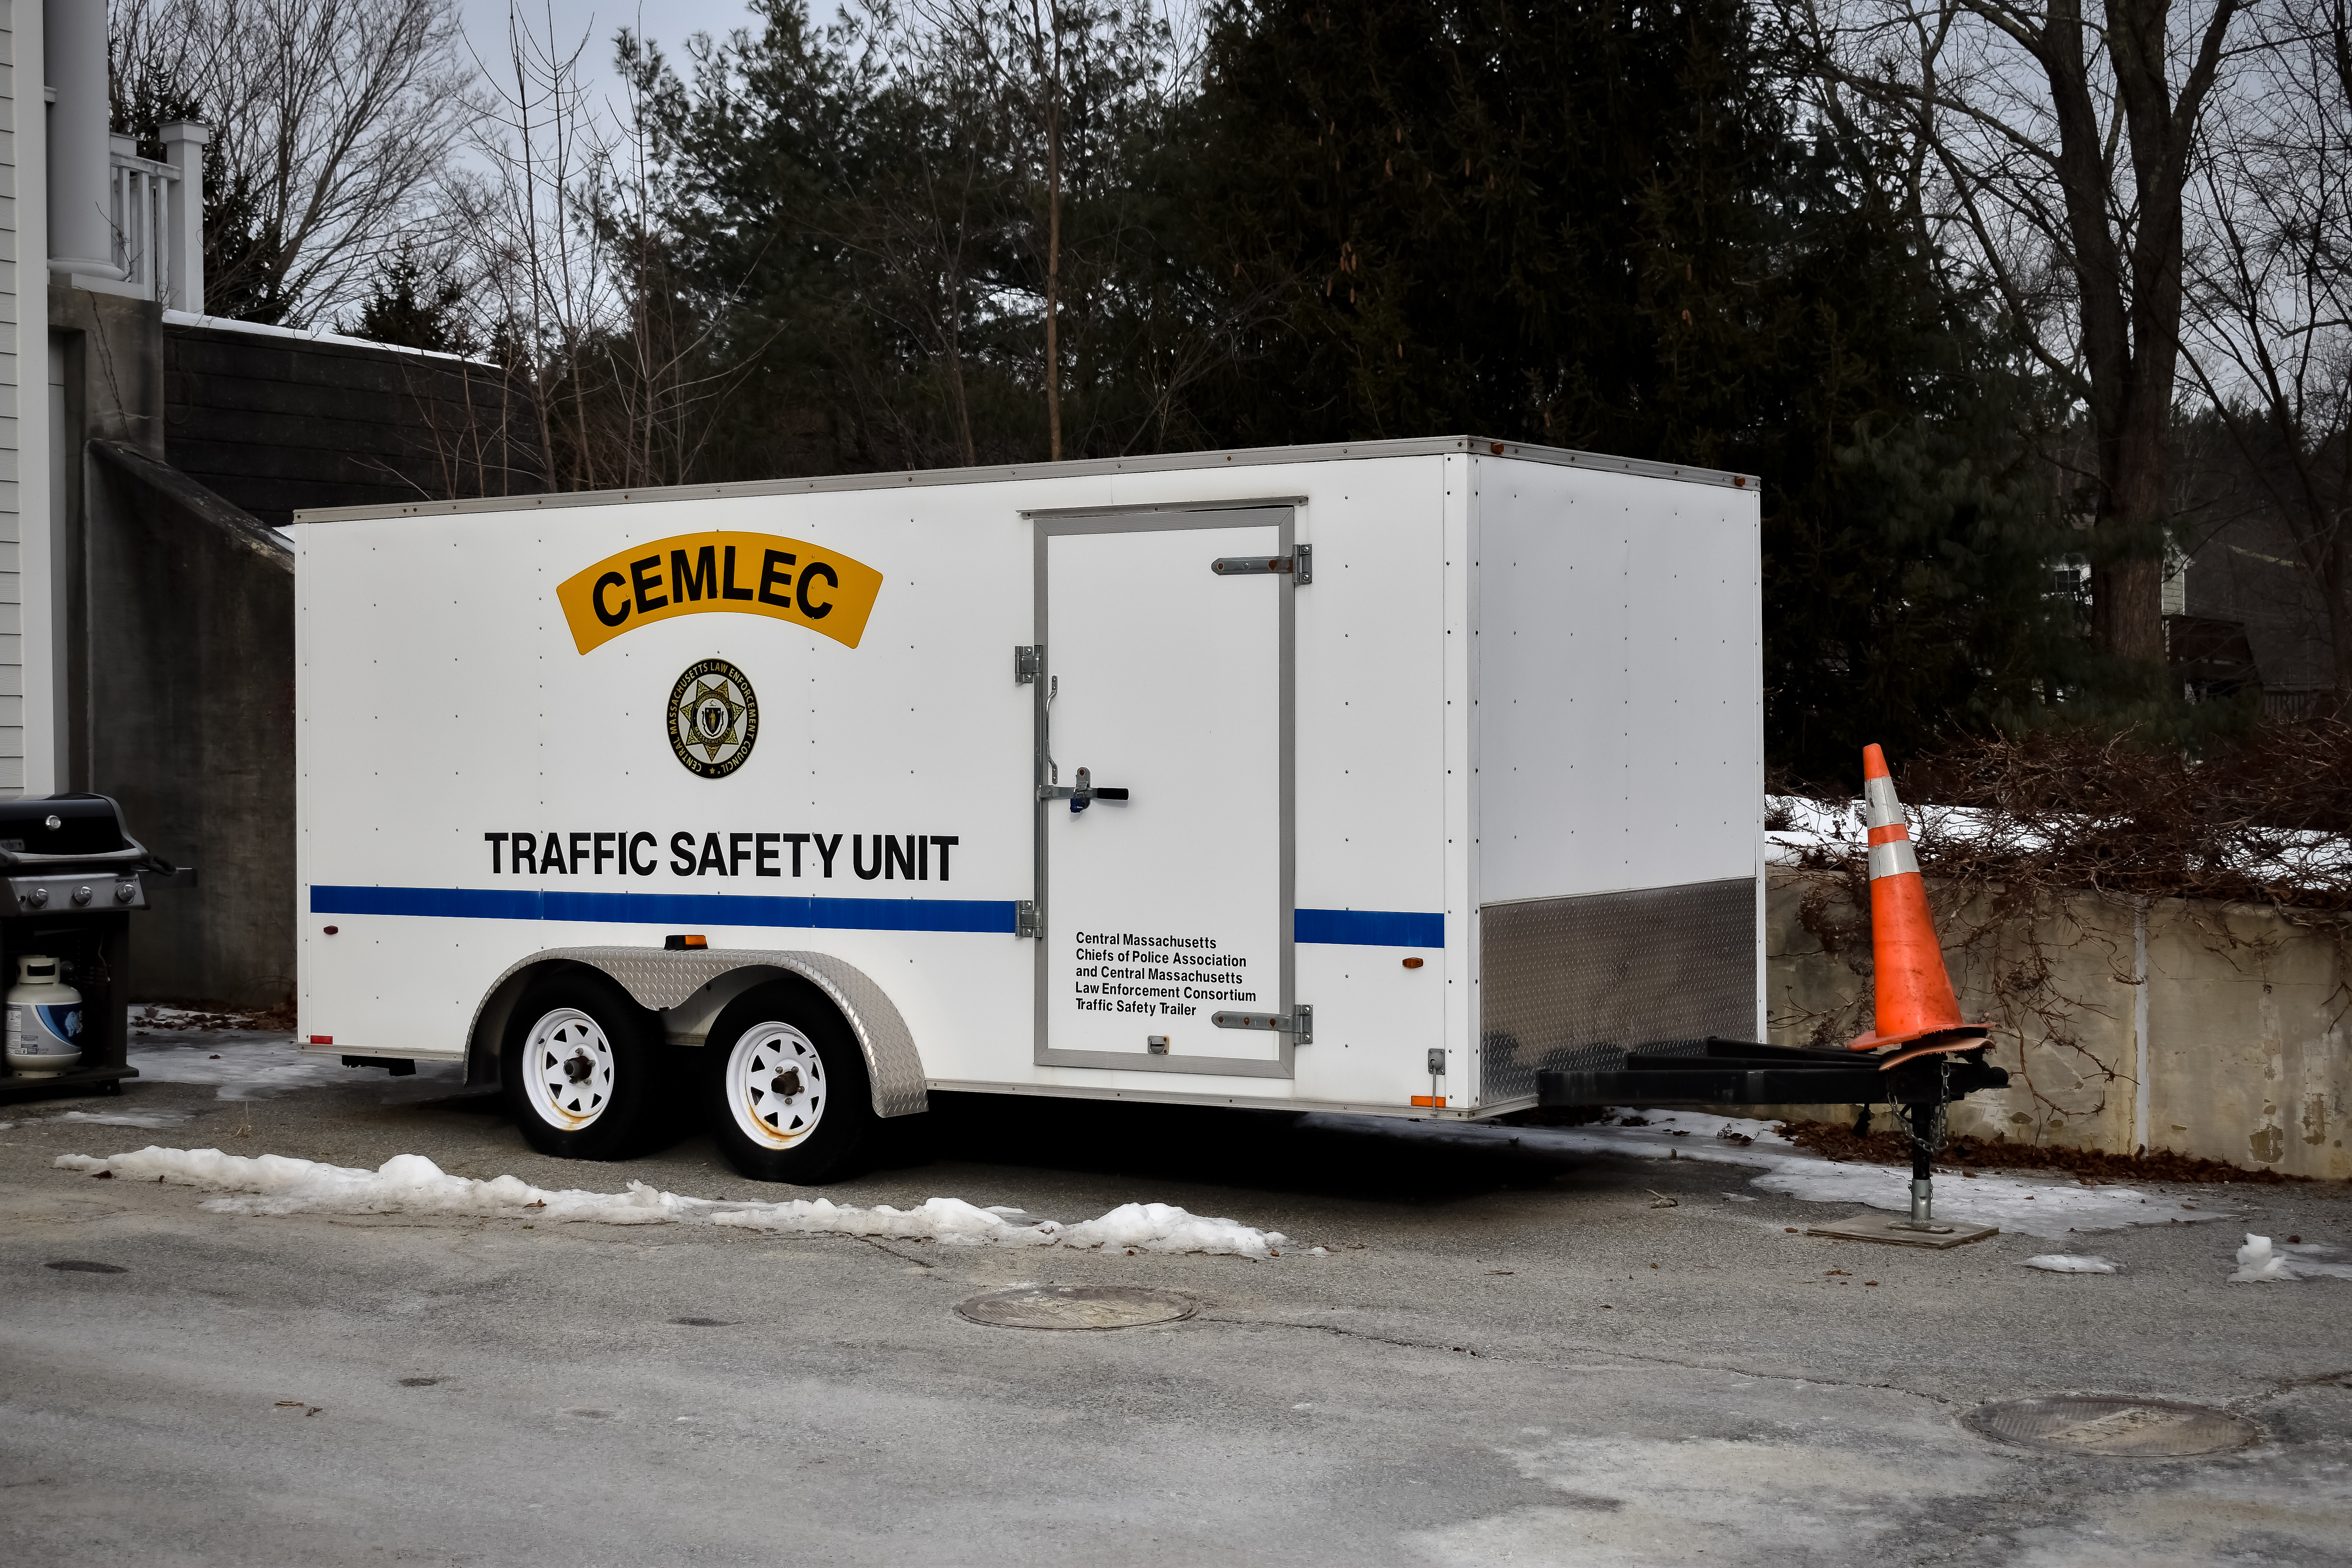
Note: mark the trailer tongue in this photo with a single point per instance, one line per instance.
(1742, 1072)
(1919, 1057)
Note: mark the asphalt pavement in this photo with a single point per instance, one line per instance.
(1501, 1356)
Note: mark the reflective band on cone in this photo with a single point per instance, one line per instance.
(1916, 1007)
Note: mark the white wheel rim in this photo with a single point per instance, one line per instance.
(567, 1069)
(775, 1085)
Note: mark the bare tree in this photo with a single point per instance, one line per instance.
(541, 269)
(2053, 149)
(2270, 294)
(331, 118)
(662, 379)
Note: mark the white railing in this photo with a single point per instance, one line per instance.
(140, 207)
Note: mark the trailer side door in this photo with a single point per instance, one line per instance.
(1164, 875)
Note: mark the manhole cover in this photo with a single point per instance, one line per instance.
(2121, 1429)
(1078, 1306)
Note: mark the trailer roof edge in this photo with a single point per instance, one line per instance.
(1169, 462)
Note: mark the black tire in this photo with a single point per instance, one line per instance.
(785, 1052)
(614, 1107)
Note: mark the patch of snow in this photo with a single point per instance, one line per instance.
(155, 1015)
(239, 1066)
(2070, 1263)
(2265, 1261)
(411, 1184)
(2293, 857)
(2049, 1206)
(122, 1118)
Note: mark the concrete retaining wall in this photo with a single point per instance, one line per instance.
(192, 681)
(2209, 1029)
(276, 422)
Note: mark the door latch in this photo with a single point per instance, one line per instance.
(1299, 566)
(1028, 662)
(1083, 794)
(1299, 1023)
(1026, 920)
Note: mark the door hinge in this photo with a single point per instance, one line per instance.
(1028, 661)
(1299, 566)
(1299, 1023)
(1026, 922)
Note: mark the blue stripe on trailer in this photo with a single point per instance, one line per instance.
(1369, 928)
(670, 909)
(1348, 928)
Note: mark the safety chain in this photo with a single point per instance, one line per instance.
(1930, 1125)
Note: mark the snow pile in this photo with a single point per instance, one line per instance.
(411, 1184)
(2258, 1263)
(1145, 1228)
(1163, 1227)
(2068, 1263)
(2052, 1207)
(2265, 1261)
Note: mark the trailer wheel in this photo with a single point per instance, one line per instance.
(788, 1099)
(580, 1070)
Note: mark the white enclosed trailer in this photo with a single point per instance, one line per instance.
(1416, 768)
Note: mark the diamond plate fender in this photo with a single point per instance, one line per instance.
(689, 990)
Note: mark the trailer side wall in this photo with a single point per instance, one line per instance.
(1620, 765)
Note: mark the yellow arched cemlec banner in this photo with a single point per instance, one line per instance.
(695, 574)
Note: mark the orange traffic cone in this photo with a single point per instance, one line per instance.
(1915, 1009)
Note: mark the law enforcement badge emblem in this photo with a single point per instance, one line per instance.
(713, 719)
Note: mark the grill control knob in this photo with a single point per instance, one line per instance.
(125, 892)
(38, 897)
(53, 822)
(82, 895)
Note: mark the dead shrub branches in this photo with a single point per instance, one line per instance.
(2016, 832)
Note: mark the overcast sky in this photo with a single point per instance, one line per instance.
(668, 22)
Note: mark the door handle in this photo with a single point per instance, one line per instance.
(1084, 795)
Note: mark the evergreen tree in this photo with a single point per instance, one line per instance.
(1594, 224)
(413, 306)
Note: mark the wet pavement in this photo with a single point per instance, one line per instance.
(1505, 1355)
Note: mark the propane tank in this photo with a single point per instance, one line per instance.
(44, 1020)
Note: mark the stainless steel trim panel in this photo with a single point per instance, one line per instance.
(1570, 984)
